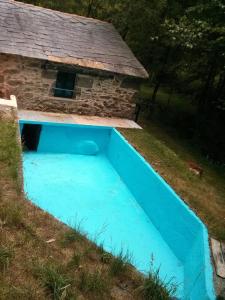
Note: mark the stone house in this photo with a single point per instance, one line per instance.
(59, 62)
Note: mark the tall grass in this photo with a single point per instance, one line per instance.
(6, 255)
(119, 264)
(75, 261)
(71, 236)
(153, 288)
(95, 282)
(53, 280)
(11, 214)
(9, 148)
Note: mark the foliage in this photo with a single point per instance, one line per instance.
(94, 282)
(75, 261)
(71, 236)
(155, 289)
(53, 280)
(9, 149)
(11, 215)
(119, 264)
(6, 255)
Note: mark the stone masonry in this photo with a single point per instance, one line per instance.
(96, 92)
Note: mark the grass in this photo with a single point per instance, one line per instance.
(75, 260)
(169, 156)
(155, 289)
(53, 280)
(6, 255)
(9, 149)
(176, 103)
(11, 215)
(71, 236)
(120, 264)
(94, 283)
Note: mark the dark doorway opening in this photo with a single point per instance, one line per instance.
(30, 136)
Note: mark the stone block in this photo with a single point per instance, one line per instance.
(84, 81)
(77, 92)
(15, 82)
(49, 74)
(11, 71)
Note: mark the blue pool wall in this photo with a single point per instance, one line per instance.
(183, 231)
(64, 143)
(180, 227)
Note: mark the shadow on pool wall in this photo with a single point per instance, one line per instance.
(183, 231)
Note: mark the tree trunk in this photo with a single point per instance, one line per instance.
(220, 87)
(90, 5)
(205, 109)
(170, 97)
(152, 103)
(204, 101)
(124, 34)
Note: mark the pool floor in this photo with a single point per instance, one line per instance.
(86, 190)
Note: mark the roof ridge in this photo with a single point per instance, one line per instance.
(20, 2)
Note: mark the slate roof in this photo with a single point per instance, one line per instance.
(37, 32)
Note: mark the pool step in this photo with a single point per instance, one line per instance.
(218, 250)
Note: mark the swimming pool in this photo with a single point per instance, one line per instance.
(92, 176)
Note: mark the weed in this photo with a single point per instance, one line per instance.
(94, 283)
(71, 236)
(75, 261)
(155, 289)
(53, 280)
(119, 264)
(106, 258)
(9, 149)
(21, 292)
(100, 248)
(6, 255)
(11, 215)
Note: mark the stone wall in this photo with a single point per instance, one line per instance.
(32, 82)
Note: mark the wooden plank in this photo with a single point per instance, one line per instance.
(218, 250)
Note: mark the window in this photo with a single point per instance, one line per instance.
(65, 84)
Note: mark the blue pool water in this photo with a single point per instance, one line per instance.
(91, 176)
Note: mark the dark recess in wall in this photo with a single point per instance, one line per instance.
(30, 136)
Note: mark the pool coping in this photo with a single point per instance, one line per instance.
(38, 116)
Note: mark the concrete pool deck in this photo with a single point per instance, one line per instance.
(39, 116)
